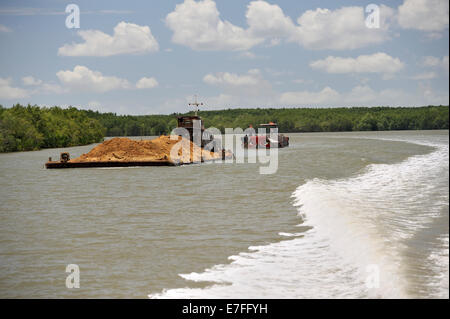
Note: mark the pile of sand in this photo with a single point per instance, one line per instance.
(159, 149)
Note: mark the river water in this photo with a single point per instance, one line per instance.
(347, 215)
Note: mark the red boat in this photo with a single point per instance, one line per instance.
(264, 141)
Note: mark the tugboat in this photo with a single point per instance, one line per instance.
(200, 137)
(265, 141)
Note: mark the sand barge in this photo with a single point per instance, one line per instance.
(186, 146)
(121, 152)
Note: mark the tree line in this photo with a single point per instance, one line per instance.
(25, 128)
(289, 119)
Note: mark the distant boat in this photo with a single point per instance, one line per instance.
(265, 141)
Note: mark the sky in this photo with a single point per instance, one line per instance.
(152, 57)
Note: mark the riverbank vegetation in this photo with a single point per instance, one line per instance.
(289, 120)
(25, 128)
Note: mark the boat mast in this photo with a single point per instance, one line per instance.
(196, 105)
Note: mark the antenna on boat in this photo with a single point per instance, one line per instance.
(196, 104)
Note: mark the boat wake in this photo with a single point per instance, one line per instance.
(366, 240)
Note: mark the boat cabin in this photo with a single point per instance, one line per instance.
(267, 127)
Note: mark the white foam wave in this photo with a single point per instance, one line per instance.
(290, 234)
(439, 258)
(357, 224)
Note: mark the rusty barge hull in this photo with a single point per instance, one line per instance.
(108, 164)
(56, 165)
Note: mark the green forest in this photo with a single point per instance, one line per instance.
(24, 128)
(28, 128)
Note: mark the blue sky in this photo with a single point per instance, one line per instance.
(151, 57)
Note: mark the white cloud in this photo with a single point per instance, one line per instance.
(429, 96)
(49, 88)
(431, 61)
(41, 87)
(4, 28)
(359, 95)
(267, 20)
(248, 55)
(223, 101)
(198, 26)
(364, 95)
(249, 89)
(82, 78)
(9, 92)
(435, 62)
(146, 83)
(326, 96)
(240, 99)
(375, 63)
(252, 78)
(31, 81)
(128, 38)
(340, 29)
(425, 15)
(424, 76)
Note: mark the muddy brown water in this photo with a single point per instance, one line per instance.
(133, 231)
